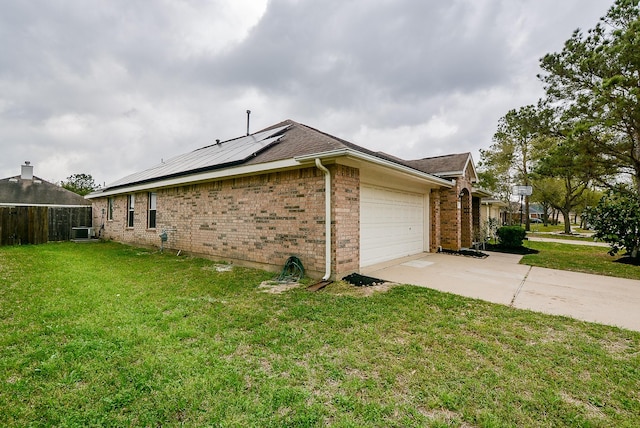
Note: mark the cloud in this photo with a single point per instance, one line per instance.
(109, 88)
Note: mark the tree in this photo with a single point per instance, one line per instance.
(594, 80)
(82, 184)
(589, 199)
(573, 163)
(546, 192)
(616, 220)
(517, 146)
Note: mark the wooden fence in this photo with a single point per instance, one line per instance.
(62, 220)
(37, 225)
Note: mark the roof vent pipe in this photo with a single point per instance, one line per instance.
(327, 219)
(26, 172)
(248, 113)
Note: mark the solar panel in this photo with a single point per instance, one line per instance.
(216, 155)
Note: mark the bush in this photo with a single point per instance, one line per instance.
(511, 236)
(616, 220)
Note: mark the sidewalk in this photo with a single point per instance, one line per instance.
(568, 241)
(500, 279)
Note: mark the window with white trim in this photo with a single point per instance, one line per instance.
(152, 210)
(131, 202)
(110, 208)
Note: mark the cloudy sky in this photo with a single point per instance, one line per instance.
(111, 87)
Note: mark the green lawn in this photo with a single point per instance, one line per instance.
(579, 258)
(109, 335)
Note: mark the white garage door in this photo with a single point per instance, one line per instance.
(391, 224)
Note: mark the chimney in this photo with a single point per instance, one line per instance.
(27, 171)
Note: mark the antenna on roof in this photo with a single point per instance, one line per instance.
(248, 114)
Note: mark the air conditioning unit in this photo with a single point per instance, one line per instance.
(82, 233)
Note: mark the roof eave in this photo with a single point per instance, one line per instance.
(194, 178)
(266, 167)
(26, 204)
(493, 201)
(377, 161)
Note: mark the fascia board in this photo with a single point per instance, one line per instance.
(377, 161)
(451, 174)
(200, 177)
(496, 202)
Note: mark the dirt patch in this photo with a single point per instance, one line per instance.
(219, 268)
(380, 288)
(276, 287)
(621, 349)
(591, 410)
(446, 416)
(343, 288)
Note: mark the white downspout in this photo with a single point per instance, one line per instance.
(327, 218)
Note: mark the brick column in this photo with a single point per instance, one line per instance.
(435, 240)
(345, 213)
(450, 219)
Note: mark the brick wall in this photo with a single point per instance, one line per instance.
(345, 219)
(261, 219)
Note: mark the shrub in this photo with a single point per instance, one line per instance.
(511, 236)
(616, 220)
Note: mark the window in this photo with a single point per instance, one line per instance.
(109, 208)
(131, 200)
(152, 210)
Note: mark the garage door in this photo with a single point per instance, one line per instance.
(391, 224)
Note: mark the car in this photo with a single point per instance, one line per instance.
(535, 220)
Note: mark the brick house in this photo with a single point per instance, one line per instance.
(260, 198)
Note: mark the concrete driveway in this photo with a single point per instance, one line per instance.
(500, 279)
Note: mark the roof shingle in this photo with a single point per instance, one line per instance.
(284, 140)
(15, 190)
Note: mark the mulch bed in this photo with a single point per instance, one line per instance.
(362, 280)
(628, 260)
(467, 253)
(518, 250)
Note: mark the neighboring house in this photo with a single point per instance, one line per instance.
(490, 207)
(536, 211)
(33, 210)
(261, 198)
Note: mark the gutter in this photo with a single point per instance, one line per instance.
(327, 218)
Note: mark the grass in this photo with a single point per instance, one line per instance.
(109, 335)
(579, 258)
